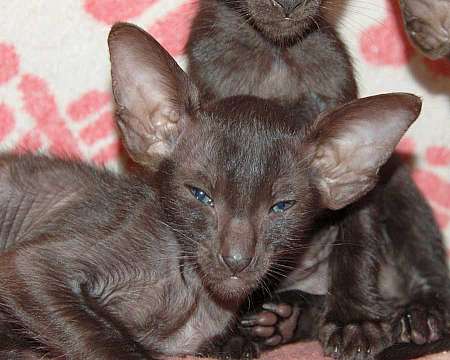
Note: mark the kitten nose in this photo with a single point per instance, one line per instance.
(288, 5)
(236, 263)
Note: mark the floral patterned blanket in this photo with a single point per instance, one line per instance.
(55, 84)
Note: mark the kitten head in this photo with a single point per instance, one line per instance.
(241, 181)
(282, 21)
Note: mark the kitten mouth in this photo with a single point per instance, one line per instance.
(283, 29)
(232, 289)
(235, 282)
(279, 26)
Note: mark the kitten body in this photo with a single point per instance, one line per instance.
(100, 266)
(252, 47)
(362, 256)
(100, 241)
(407, 284)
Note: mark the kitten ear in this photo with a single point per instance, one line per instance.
(154, 96)
(350, 144)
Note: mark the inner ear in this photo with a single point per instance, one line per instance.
(349, 144)
(154, 96)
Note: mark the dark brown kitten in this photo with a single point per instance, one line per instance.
(274, 49)
(101, 266)
(382, 266)
(281, 50)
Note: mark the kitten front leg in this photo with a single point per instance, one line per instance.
(417, 249)
(356, 321)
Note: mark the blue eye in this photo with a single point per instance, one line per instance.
(201, 196)
(281, 206)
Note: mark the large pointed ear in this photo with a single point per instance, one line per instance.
(154, 96)
(349, 144)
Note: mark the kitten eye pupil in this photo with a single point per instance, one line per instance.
(281, 206)
(201, 196)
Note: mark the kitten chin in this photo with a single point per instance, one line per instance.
(283, 25)
(231, 291)
(230, 288)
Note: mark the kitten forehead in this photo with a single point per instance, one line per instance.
(251, 129)
(244, 144)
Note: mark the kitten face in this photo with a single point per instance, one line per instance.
(239, 193)
(283, 20)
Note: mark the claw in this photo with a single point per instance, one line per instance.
(249, 322)
(420, 324)
(264, 318)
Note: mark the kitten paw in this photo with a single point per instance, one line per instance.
(274, 325)
(421, 324)
(239, 348)
(355, 341)
(428, 39)
(427, 23)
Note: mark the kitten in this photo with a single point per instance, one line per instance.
(380, 265)
(274, 50)
(104, 266)
(283, 50)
